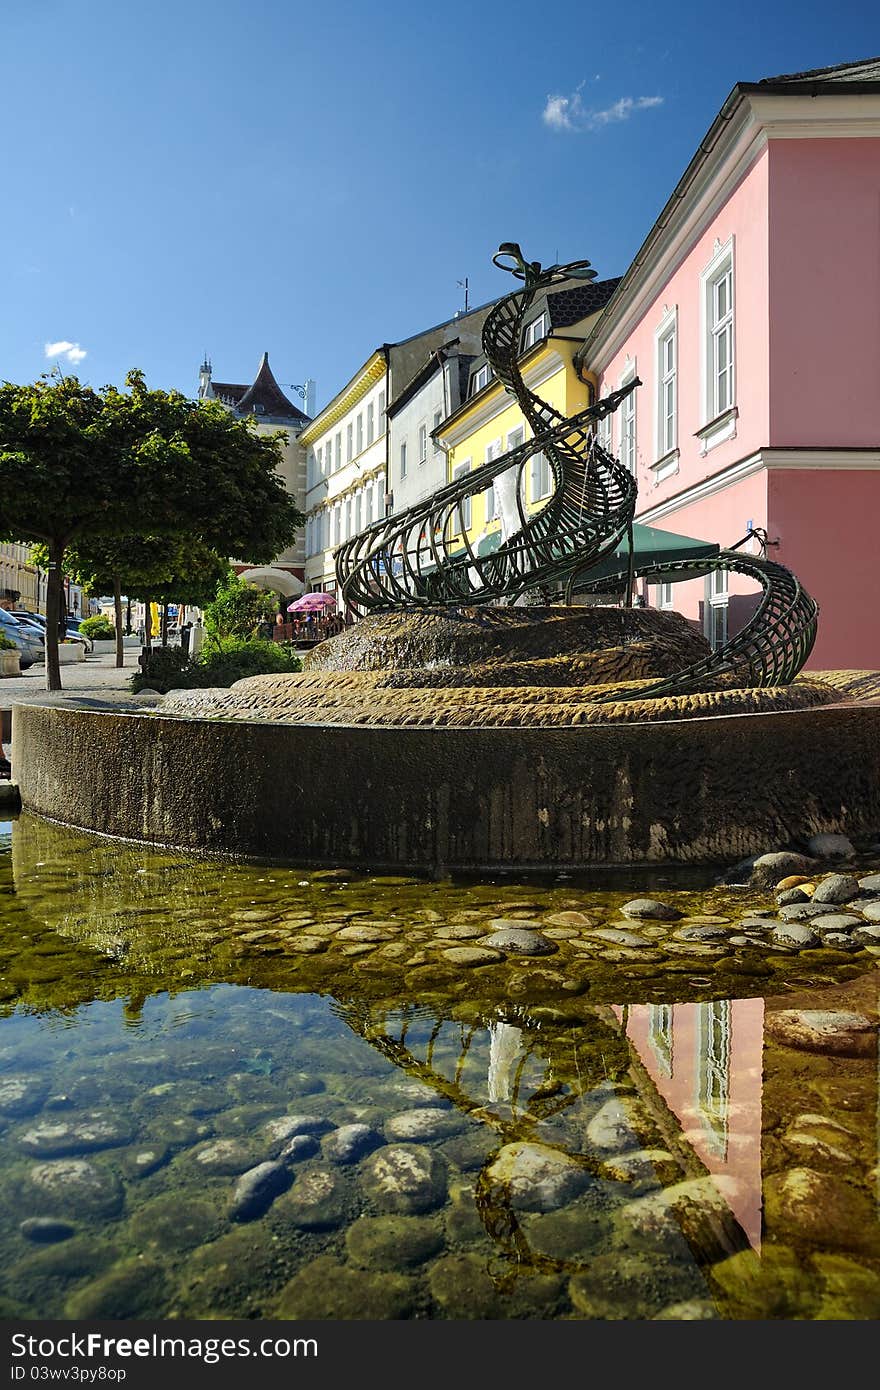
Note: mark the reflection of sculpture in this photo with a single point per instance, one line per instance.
(425, 555)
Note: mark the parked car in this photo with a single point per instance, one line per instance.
(29, 649)
(72, 629)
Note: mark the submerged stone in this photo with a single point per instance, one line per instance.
(404, 1179)
(536, 1177)
(328, 1289)
(389, 1242)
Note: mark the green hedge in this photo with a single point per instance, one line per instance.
(98, 627)
(222, 661)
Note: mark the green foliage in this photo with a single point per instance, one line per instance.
(6, 643)
(98, 628)
(238, 609)
(221, 663)
(161, 569)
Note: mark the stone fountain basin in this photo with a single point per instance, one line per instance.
(696, 791)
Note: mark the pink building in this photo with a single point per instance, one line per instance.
(751, 314)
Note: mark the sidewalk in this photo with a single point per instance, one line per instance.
(93, 681)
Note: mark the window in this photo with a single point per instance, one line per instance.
(464, 506)
(493, 451)
(360, 432)
(358, 512)
(310, 468)
(721, 342)
(337, 525)
(718, 304)
(423, 443)
(403, 459)
(349, 442)
(368, 503)
(371, 422)
(667, 386)
(534, 331)
(338, 462)
(347, 518)
(438, 416)
(542, 478)
(628, 426)
(605, 429)
(319, 459)
(716, 609)
(664, 595)
(480, 378)
(381, 412)
(309, 537)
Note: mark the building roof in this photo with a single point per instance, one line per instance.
(865, 70)
(265, 396)
(228, 391)
(860, 76)
(568, 306)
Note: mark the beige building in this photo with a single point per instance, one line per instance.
(272, 410)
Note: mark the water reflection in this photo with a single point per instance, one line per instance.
(564, 1158)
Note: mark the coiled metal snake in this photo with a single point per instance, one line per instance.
(425, 556)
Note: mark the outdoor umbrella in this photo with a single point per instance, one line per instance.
(312, 603)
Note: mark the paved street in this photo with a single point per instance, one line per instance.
(97, 676)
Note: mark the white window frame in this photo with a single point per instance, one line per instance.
(664, 596)
(629, 438)
(534, 331)
(368, 506)
(464, 508)
(666, 395)
(337, 525)
(371, 422)
(719, 408)
(480, 378)
(347, 518)
(349, 442)
(490, 501)
(423, 443)
(716, 608)
(358, 512)
(381, 412)
(337, 460)
(540, 477)
(438, 420)
(402, 460)
(359, 432)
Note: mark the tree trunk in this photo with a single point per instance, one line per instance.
(128, 617)
(165, 623)
(54, 601)
(117, 616)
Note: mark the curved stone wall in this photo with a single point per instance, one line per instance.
(708, 790)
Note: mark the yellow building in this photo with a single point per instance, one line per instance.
(490, 423)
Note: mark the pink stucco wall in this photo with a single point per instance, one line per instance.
(721, 517)
(744, 217)
(739, 1156)
(824, 239)
(826, 522)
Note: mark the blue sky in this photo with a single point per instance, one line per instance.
(255, 175)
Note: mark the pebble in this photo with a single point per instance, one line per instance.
(349, 1143)
(642, 909)
(837, 888)
(257, 1189)
(46, 1230)
(520, 942)
(830, 846)
(838, 1033)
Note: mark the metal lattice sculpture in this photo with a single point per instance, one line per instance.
(425, 556)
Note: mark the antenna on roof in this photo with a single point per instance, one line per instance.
(463, 284)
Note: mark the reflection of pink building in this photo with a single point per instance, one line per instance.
(705, 1060)
(751, 314)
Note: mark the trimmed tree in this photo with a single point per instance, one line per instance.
(78, 464)
(163, 569)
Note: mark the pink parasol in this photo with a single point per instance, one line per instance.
(311, 603)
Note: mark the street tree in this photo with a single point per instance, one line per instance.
(161, 569)
(77, 464)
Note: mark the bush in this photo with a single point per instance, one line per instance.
(98, 628)
(7, 644)
(222, 662)
(238, 609)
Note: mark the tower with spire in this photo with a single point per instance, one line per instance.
(266, 404)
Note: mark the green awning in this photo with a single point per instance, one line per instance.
(651, 546)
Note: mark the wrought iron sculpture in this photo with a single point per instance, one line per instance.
(425, 555)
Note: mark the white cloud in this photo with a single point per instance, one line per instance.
(72, 351)
(569, 113)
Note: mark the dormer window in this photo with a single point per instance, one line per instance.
(480, 378)
(534, 331)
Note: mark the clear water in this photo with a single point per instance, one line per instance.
(558, 1137)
